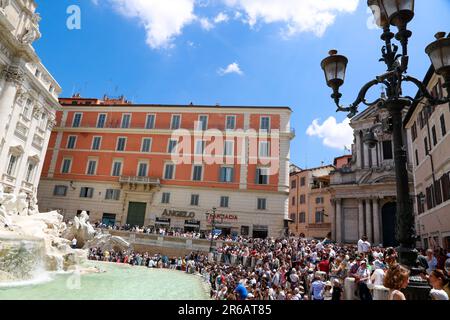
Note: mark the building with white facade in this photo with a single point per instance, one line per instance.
(364, 191)
(28, 98)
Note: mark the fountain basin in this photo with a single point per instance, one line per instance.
(118, 282)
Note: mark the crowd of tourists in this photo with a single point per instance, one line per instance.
(170, 232)
(297, 269)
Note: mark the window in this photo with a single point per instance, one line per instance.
(27, 109)
(262, 204)
(228, 148)
(165, 198)
(117, 168)
(150, 121)
(293, 217)
(434, 134)
(319, 200)
(302, 199)
(302, 217)
(175, 124)
(66, 165)
(96, 143)
(438, 192)
(200, 147)
(224, 202)
(445, 181)
(443, 127)
(126, 119)
(142, 169)
(169, 171)
(71, 142)
(320, 217)
(101, 120)
(30, 172)
(86, 192)
(262, 176)
(146, 145)
(425, 145)
(91, 167)
(197, 173)
(13, 159)
(265, 123)
(226, 174)
(417, 158)
(387, 150)
(414, 131)
(112, 194)
(293, 184)
(202, 123)
(60, 191)
(302, 182)
(264, 148)
(77, 120)
(171, 148)
(293, 201)
(121, 144)
(195, 199)
(231, 123)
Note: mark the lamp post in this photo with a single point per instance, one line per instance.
(213, 227)
(396, 13)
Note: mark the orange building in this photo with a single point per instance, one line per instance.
(310, 202)
(168, 165)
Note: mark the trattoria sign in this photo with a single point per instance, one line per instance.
(178, 214)
(222, 217)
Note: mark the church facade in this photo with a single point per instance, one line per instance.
(364, 191)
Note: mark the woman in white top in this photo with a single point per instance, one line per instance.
(438, 281)
(396, 279)
(377, 277)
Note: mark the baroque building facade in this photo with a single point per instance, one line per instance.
(364, 190)
(28, 99)
(428, 130)
(115, 160)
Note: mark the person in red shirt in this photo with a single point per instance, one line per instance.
(324, 265)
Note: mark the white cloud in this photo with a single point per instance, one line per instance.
(231, 68)
(221, 17)
(334, 135)
(162, 20)
(206, 24)
(298, 15)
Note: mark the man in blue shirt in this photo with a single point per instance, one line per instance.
(241, 290)
(317, 288)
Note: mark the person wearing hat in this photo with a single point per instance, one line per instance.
(363, 279)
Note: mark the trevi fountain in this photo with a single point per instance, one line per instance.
(38, 262)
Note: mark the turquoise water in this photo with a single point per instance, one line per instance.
(119, 282)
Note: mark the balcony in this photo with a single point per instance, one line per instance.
(27, 186)
(319, 226)
(133, 182)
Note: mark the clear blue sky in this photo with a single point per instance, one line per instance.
(154, 53)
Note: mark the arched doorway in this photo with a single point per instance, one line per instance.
(389, 216)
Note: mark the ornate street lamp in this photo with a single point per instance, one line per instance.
(213, 228)
(397, 13)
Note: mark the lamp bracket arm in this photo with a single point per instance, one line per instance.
(423, 92)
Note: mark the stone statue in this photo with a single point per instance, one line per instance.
(33, 208)
(29, 36)
(9, 202)
(22, 204)
(80, 229)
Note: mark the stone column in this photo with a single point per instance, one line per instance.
(13, 80)
(366, 156)
(360, 218)
(338, 220)
(369, 223)
(358, 150)
(376, 223)
(374, 157)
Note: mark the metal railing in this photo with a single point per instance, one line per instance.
(139, 180)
